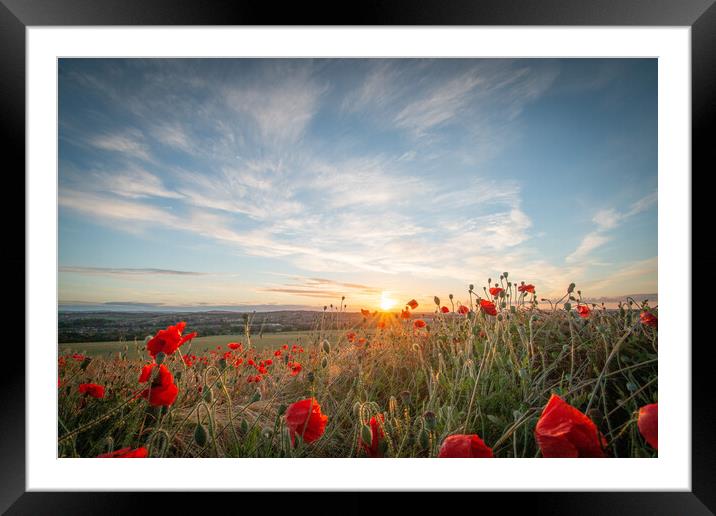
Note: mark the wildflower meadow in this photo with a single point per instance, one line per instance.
(507, 375)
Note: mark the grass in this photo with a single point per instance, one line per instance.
(135, 349)
(460, 374)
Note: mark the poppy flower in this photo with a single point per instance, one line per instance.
(444, 309)
(234, 345)
(495, 291)
(648, 424)
(163, 391)
(526, 288)
(405, 314)
(78, 357)
(168, 341)
(365, 313)
(648, 319)
(376, 436)
(412, 304)
(462, 310)
(564, 431)
(295, 368)
(126, 453)
(92, 389)
(350, 336)
(277, 353)
(419, 323)
(381, 324)
(583, 311)
(187, 360)
(304, 418)
(488, 307)
(464, 446)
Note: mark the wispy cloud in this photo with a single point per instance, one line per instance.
(111, 271)
(606, 220)
(129, 143)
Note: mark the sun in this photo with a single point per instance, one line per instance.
(386, 303)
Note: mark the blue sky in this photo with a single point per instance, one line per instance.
(294, 182)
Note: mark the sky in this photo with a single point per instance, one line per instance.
(289, 183)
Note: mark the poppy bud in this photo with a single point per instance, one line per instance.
(177, 375)
(366, 435)
(85, 363)
(450, 296)
(256, 397)
(571, 288)
(429, 420)
(208, 395)
(471, 286)
(281, 409)
(567, 306)
(513, 309)
(244, 426)
(159, 359)
(326, 346)
(505, 275)
(200, 435)
(437, 300)
(310, 376)
(324, 362)
(222, 364)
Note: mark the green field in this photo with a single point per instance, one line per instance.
(135, 349)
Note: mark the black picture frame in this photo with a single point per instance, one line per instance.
(17, 15)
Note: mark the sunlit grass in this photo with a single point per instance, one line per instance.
(459, 374)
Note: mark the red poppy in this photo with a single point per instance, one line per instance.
(419, 323)
(277, 353)
(526, 288)
(376, 436)
(488, 307)
(648, 424)
(350, 336)
(464, 446)
(78, 357)
(405, 314)
(285, 346)
(304, 418)
(295, 368)
(92, 389)
(126, 453)
(381, 324)
(495, 291)
(564, 431)
(462, 310)
(365, 313)
(250, 362)
(169, 340)
(163, 390)
(187, 360)
(269, 361)
(583, 311)
(234, 345)
(444, 309)
(412, 304)
(648, 319)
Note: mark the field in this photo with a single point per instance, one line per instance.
(136, 349)
(393, 385)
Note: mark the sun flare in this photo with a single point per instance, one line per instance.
(386, 303)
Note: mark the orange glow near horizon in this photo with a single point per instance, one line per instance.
(386, 303)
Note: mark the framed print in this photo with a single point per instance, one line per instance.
(341, 258)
